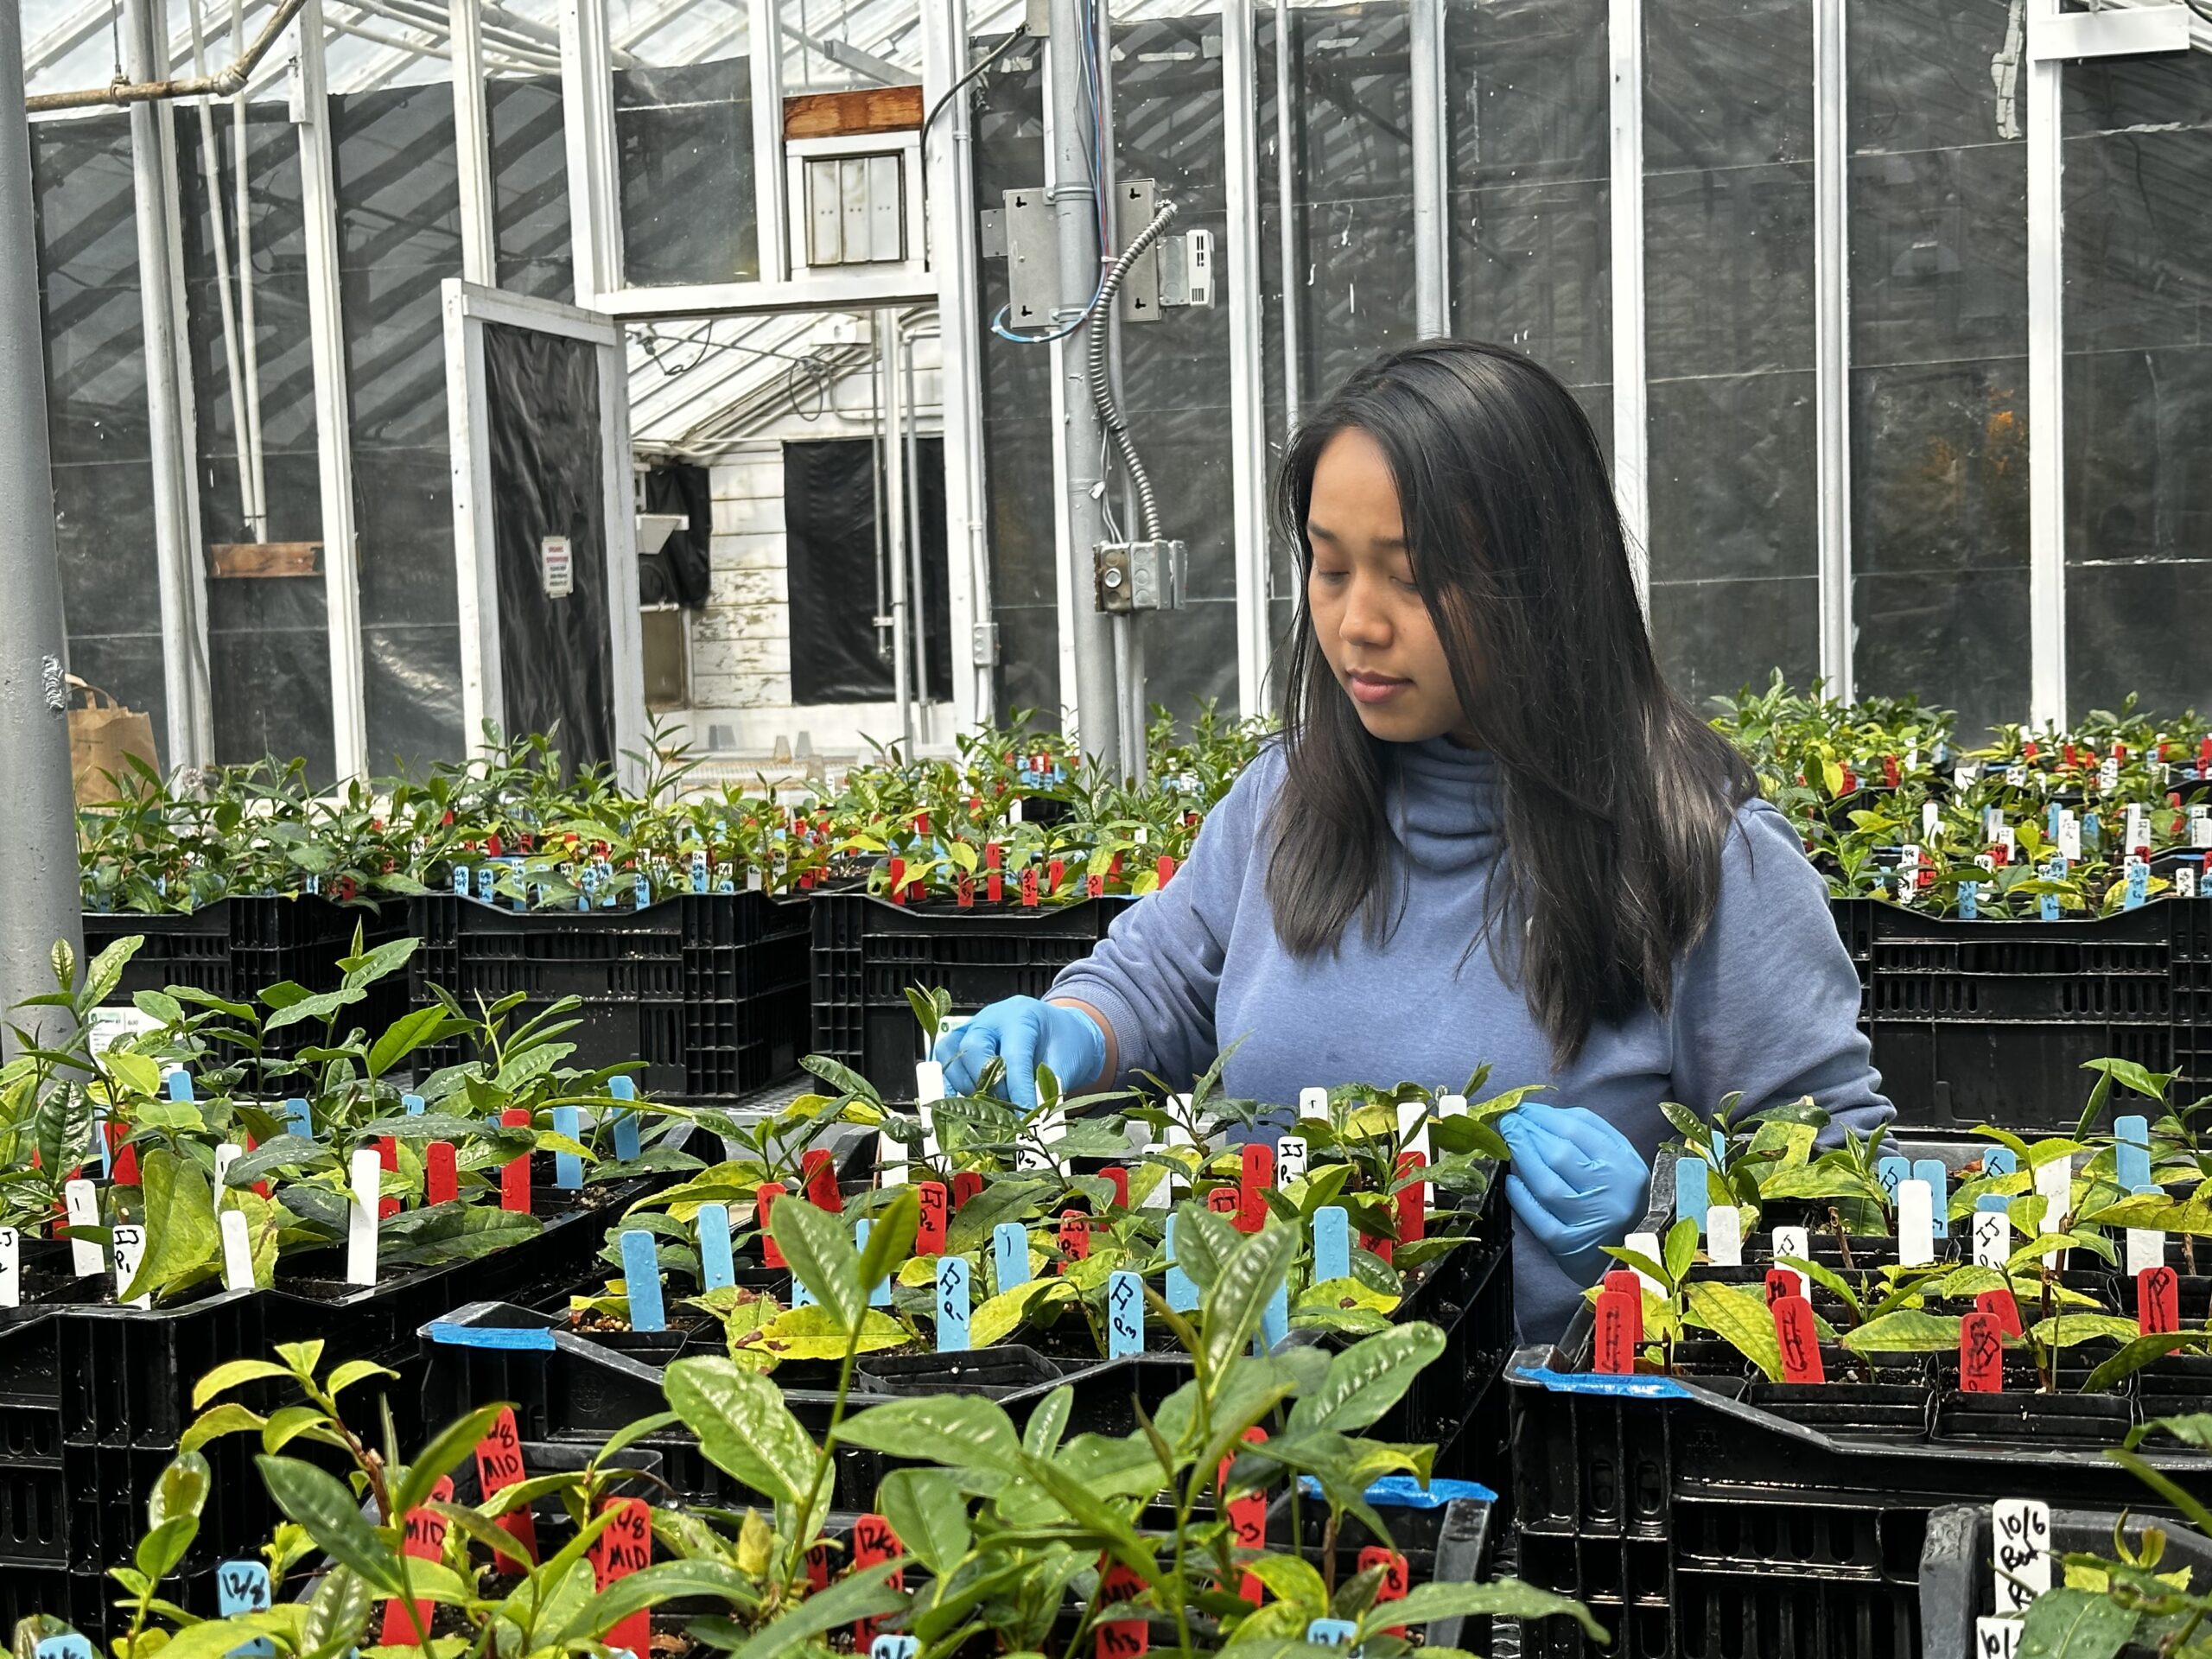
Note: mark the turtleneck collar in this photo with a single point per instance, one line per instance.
(1449, 805)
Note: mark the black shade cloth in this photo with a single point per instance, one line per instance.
(830, 539)
(677, 574)
(541, 398)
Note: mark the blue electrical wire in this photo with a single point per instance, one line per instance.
(1092, 86)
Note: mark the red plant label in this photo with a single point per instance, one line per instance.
(820, 1172)
(1075, 1235)
(1118, 1178)
(1413, 1198)
(124, 1159)
(2157, 1301)
(1620, 1331)
(1395, 1579)
(995, 886)
(388, 1157)
(966, 1184)
(1223, 1201)
(1801, 1343)
(499, 1465)
(1781, 1282)
(1999, 1303)
(424, 1539)
(1255, 1174)
(963, 892)
(929, 1231)
(440, 1173)
(624, 1548)
(1029, 886)
(1981, 1354)
(1120, 1638)
(872, 1542)
(764, 1201)
(1248, 1517)
(1055, 872)
(514, 1174)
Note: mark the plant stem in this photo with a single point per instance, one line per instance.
(1329, 1551)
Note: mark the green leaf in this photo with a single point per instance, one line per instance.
(1000, 1200)
(408, 1032)
(1368, 1378)
(823, 1257)
(338, 1614)
(230, 1374)
(1679, 1249)
(320, 1007)
(455, 1441)
(1247, 1278)
(105, 972)
(1739, 1316)
(930, 1516)
(228, 1418)
(2138, 1352)
(744, 1428)
(323, 1505)
(1048, 1421)
(1291, 1579)
(2065, 1329)
(1908, 1330)
(891, 1237)
(1203, 1243)
(1506, 1598)
(953, 1429)
(866, 1595)
(2066, 1623)
(181, 1235)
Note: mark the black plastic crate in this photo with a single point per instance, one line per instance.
(238, 947)
(1990, 1021)
(867, 952)
(626, 966)
(748, 992)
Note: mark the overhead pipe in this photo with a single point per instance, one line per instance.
(228, 82)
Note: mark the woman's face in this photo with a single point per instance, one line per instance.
(1374, 627)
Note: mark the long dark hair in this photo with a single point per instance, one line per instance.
(1617, 797)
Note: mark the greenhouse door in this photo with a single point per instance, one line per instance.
(544, 525)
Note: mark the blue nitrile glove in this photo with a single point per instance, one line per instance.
(1575, 1182)
(1025, 1033)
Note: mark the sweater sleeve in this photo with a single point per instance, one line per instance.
(1155, 975)
(1767, 1002)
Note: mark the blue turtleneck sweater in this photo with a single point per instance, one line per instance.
(1765, 1003)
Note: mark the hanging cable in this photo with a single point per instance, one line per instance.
(1102, 385)
(1020, 33)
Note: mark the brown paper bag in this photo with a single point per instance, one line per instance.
(102, 732)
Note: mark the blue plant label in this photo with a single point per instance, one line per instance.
(180, 1083)
(626, 1128)
(879, 1293)
(2138, 885)
(1274, 1320)
(1333, 1633)
(568, 1168)
(411, 1105)
(243, 1587)
(1624, 1388)
(1332, 1247)
(1931, 1171)
(717, 1269)
(641, 1277)
(1892, 1172)
(2053, 870)
(1182, 1289)
(298, 1120)
(1124, 1314)
(894, 1647)
(1992, 1204)
(101, 1141)
(801, 1296)
(1692, 1190)
(699, 870)
(1720, 1148)
(71, 1646)
(1010, 1255)
(461, 880)
(2000, 1161)
(2132, 1151)
(1969, 900)
(496, 1339)
(952, 1304)
(2051, 820)
(486, 876)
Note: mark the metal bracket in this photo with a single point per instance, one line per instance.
(984, 644)
(2108, 34)
(990, 233)
(1139, 300)
(1033, 264)
(1139, 576)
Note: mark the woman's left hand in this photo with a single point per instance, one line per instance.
(1575, 1182)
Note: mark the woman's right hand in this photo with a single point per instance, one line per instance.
(1025, 1033)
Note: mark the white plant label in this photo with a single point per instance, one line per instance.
(226, 1154)
(130, 1251)
(2016, 777)
(1916, 1223)
(2184, 884)
(2146, 1247)
(2009, 838)
(1646, 1245)
(238, 1251)
(11, 1268)
(890, 1161)
(929, 1082)
(2020, 1531)
(1931, 821)
(2108, 775)
(558, 564)
(2055, 1183)
(1996, 1638)
(2070, 838)
(361, 1221)
(1290, 1160)
(1794, 1241)
(2200, 827)
(83, 1206)
(1992, 1239)
(1963, 774)
(1313, 1102)
(1450, 1105)
(2138, 829)
(1413, 1127)
(1724, 1236)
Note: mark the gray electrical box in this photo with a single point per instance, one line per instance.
(1139, 576)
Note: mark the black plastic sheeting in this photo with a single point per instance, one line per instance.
(549, 478)
(529, 186)
(683, 142)
(836, 654)
(96, 408)
(678, 574)
(268, 637)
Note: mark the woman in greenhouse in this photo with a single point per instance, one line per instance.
(1489, 833)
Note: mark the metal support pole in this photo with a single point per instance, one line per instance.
(1294, 267)
(948, 159)
(766, 46)
(917, 609)
(1247, 396)
(1831, 343)
(2046, 381)
(176, 531)
(588, 106)
(893, 495)
(1432, 224)
(1631, 434)
(471, 134)
(334, 433)
(37, 813)
(1074, 197)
